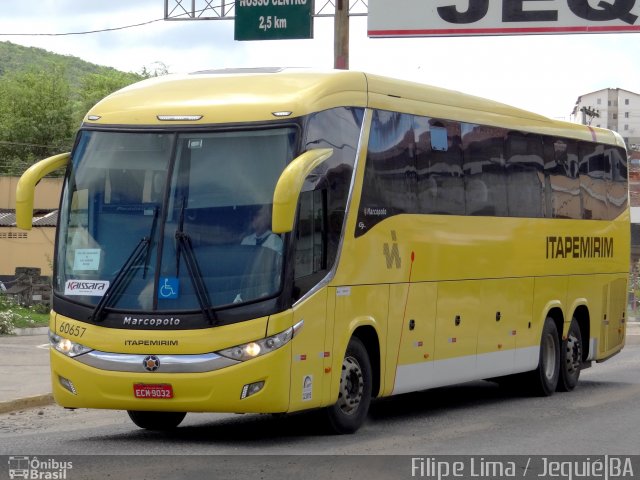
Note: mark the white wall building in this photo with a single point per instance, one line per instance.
(617, 110)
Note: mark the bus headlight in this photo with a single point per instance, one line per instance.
(260, 347)
(66, 346)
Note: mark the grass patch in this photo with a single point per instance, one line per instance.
(14, 316)
(26, 317)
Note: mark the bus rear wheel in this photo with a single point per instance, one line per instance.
(156, 420)
(544, 379)
(349, 412)
(570, 359)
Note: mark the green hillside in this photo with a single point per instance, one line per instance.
(15, 58)
(43, 98)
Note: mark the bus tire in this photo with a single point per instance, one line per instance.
(156, 420)
(544, 379)
(570, 358)
(354, 396)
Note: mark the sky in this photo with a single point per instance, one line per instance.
(542, 73)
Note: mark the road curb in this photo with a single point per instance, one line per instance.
(30, 331)
(27, 402)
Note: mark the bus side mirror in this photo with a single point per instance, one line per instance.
(285, 196)
(26, 189)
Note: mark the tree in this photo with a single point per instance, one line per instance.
(35, 116)
(156, 69)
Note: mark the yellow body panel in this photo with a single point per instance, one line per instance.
(217, 391)
(360, 306)
(412, 342)
(310, 353)
(209, 391)
(254, 97)
(458, 320)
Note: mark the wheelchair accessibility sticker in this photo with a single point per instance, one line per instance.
(168, 288)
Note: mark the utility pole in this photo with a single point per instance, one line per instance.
(591, 113)
(341, 36)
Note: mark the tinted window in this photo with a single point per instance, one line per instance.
(390, 179)
(439, 166)
(617, 192)
(311, 240)
(595, 170)
(525, 175)
(339, 129)
(484, 170)
(434, 166)
(561, 171)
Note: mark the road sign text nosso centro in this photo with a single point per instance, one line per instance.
(495, 17)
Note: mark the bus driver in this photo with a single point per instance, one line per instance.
(261, 231)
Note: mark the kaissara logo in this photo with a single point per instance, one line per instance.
(93, 288)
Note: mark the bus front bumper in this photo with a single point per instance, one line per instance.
(259, 385)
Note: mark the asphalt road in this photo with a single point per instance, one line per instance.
(602, 416)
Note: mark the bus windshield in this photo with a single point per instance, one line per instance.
(172, 221)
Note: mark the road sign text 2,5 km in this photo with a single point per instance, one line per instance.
(501, 17)
(273, 19)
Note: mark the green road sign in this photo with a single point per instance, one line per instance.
(273, 19)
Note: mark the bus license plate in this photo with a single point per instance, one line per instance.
(145, 390)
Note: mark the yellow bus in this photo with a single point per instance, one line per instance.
(280, 240)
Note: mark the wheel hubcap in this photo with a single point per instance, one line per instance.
(549, 356)
(573, 355)
(351, 386)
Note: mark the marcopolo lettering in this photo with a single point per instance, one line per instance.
(375, 212)
(150, 322)
(579, 247)
(528, 11)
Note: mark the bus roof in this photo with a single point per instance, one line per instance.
(258, 95)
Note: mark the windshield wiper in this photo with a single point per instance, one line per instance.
(200, 288)
(141, 247)
(114, 289)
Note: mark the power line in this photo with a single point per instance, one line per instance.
(113, 29)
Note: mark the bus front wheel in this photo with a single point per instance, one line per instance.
(156, 420)
(354, 396)
(570, 359)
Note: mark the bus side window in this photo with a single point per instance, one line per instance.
(594, 173)
(336, 128)
(562, 174)
(525, 175)
(617, 191)
(311, 241)
(439, 166)
(484, 170)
